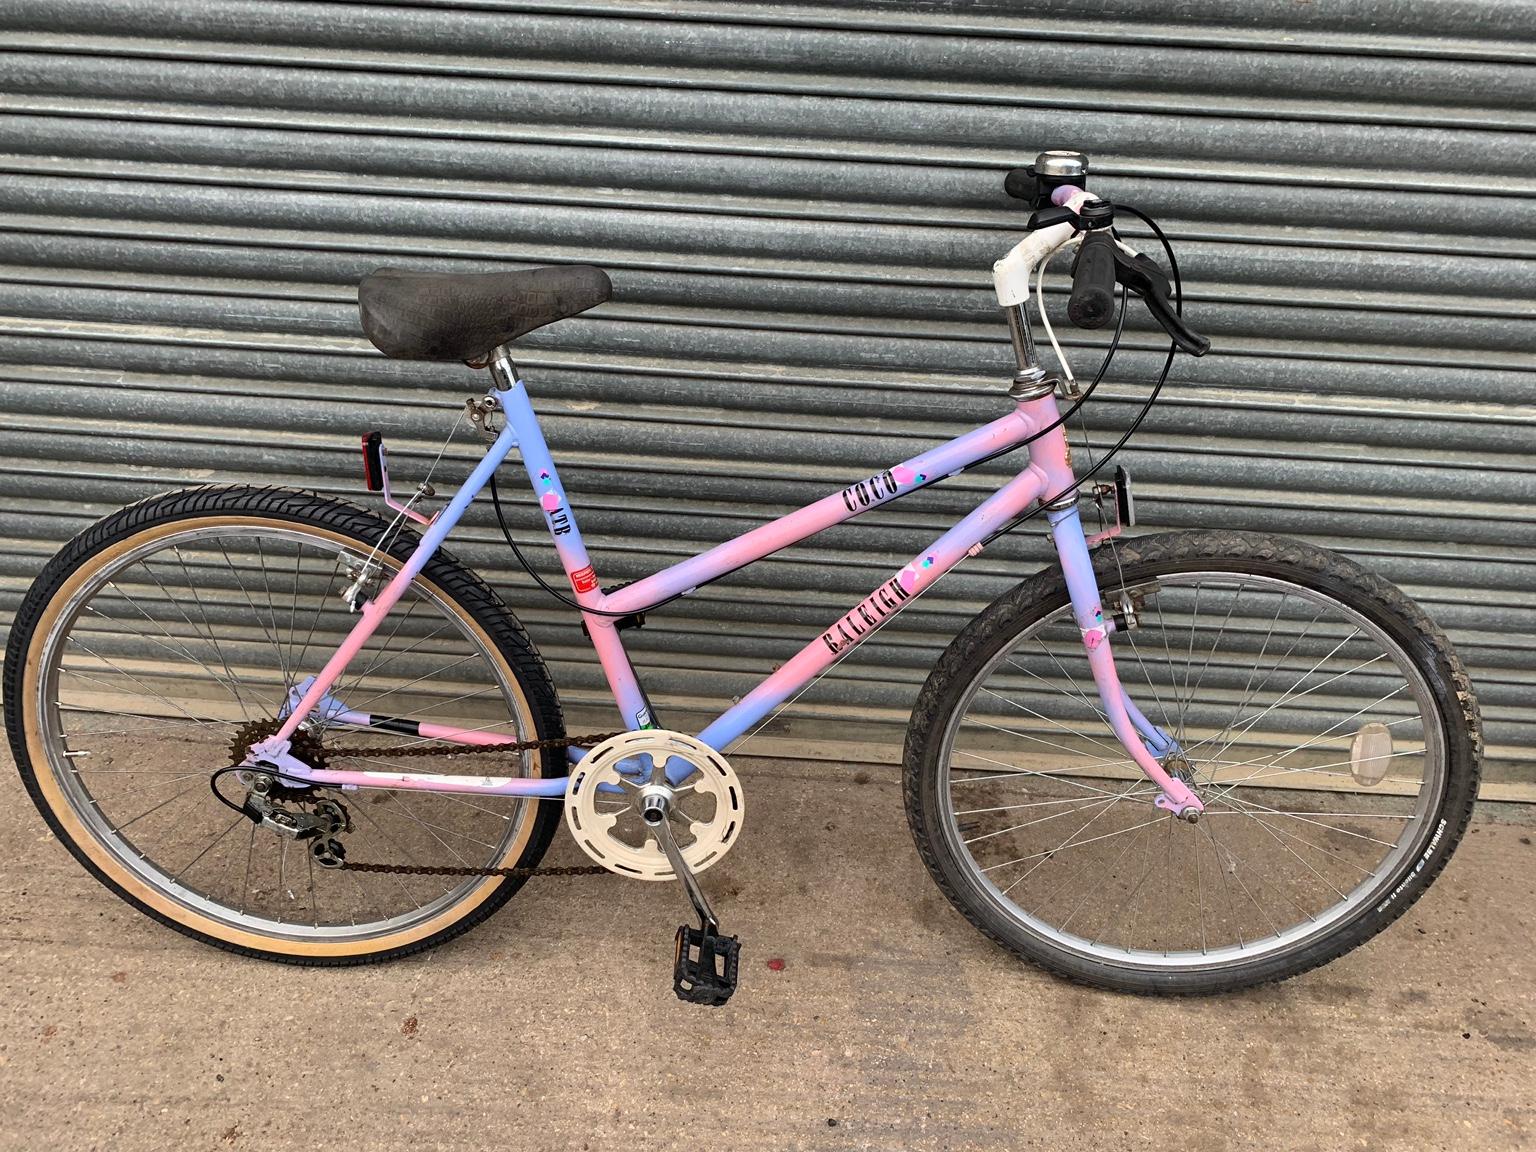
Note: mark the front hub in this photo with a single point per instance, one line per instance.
(1179, 768)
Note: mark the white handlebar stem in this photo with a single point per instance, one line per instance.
(1011, 274)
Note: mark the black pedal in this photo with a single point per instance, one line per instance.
(704, 971)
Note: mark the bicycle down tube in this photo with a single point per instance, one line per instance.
(1046, 475)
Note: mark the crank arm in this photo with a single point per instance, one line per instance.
(663, 830)
(705, 963)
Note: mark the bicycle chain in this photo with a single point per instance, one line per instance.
(452, 870)
(416, 750)
(408, 750)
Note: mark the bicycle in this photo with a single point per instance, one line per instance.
(1244, 819)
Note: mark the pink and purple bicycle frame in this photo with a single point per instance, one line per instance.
(1047, 476)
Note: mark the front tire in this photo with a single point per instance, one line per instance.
(1322, 717)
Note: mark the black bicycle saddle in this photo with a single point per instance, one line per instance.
(464, 315)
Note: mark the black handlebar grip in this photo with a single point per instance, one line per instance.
(1093, 282)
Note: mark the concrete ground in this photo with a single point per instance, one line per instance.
(892, 1024)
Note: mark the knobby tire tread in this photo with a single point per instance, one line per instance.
(1426, 645)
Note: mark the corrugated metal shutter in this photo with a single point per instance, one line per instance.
(799, 207)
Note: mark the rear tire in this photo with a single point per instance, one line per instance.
(1008, 639)
(107, 623)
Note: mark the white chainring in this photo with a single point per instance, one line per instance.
(602, 807)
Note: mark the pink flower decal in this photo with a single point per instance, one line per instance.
(908, 577)
(1093, 639)
(903, 474)
(550, 500)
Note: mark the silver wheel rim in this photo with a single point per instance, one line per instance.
(1229, 802)
(234, 689)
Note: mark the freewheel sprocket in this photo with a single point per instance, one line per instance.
(604, 796)
(305, 745)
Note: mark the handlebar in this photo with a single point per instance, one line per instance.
(1054, 187)
(1137, 271)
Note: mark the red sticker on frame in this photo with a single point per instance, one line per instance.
(584, 579)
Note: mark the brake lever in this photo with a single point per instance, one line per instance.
(1049, 216)
(1096, 216)
(1142, 276)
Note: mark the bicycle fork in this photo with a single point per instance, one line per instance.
(1147, 744)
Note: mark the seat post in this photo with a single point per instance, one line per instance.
(503, 371)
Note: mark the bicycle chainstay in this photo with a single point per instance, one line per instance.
(414, 750)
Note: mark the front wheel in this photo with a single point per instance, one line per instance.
(1321, 717)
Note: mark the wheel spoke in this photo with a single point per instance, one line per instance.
(1041, 740)
(212, 617)
(1009, 770)
(202, 612)
(176, 649)
(1319, 738)
(212, 844)
(1084, 802)
(1290, 694)
(1054, 723)
(1263, 681)
(127, 676)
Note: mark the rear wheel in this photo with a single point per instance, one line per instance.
(165, 638)
(1321, 717)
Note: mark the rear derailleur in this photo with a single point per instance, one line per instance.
(291, 809)
(284, 810)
